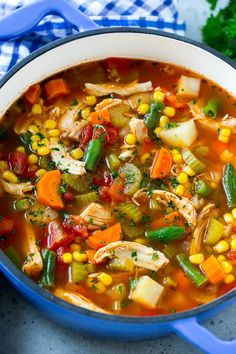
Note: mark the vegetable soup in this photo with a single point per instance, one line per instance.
(118, 187)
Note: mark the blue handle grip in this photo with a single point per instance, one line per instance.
(26, 18)
(198, 335)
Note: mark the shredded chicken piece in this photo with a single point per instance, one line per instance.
(96, 215)
(78, 300)
(229, 122)
(64, 161)
(74, 131)
(34, 263)
(196, 108)
(70, 116)
(108, 103)
(145, 257)
(139, 129)
(207, 212)
(56, 112)
(119, 89)
(19, 189)
(22, 123)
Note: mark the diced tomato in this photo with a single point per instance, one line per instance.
(18, 162)
(74, 224)
(7, 225)
(172, 100)
(103, 179)
(108, 133)
(30, 172)
(68, 197)
(57, 237)
(104, 193)
(86, 134)
(232, 256)
(116, 190)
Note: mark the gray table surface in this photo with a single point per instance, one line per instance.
(24, 330)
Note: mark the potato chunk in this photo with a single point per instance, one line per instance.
(188, 87)
(147, 292)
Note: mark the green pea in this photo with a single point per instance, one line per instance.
(22, 204)
(202, 188)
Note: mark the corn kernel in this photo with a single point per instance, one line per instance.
(75, 247)
(10, 177)
(38, 122)
(41, 172)
(141, 240)
(130, 139)
(67, 258)
(80, 257)
(227, 267)
(197, 258)
(223, 139)
(234, 213)
(159, 96)
(179, 190)
(177, 158)
(35, 137)
(50, 124)
(33, 159)
(90, 100)
(190, 172)
(170, 282)
(44, 142)
(54, 133)
(163, 121)
(226, 156)
(77, 153)
(228, 218)
(229, 279)
(169, 111)
(225, 132)
(174, 152)
(182, 178)
(157, 131)
(105, 278)
(43, 151)
(85, 112)
(221, 258)
(34, 145)
(36, 109)
(20, 149)
(213, 185)
(221, 247)
(233, 244)
(145, 157)
(33, 129)
(99, 287)
(143, 108)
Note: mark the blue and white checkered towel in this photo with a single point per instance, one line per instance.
(157, 14)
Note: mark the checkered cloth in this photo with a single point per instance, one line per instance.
(157, 14)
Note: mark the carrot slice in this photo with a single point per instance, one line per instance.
(100, 117)
(172, 100)
(169, 219)
(213, 270)
(55, 88)
(102, 238)
(218, 146)
(162, 164)
(47, 189)
(33, 93)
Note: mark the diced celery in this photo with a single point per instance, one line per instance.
(214, 232)
(192, 161)
(121, 264)
(77, 272)
(85, 199)
(113, 162)
(133, 178)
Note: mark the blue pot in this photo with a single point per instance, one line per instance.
(185, 324)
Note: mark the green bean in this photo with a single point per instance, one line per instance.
(229, 185)
(152, 118)
(166, 234)
(22, 204)
(194, 274)
(49, 264)
(211, 108)
(93, 154)
(202, 188)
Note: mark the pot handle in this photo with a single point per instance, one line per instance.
(202, 338)
(27, 17)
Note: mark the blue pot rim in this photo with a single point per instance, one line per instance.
(48, 296)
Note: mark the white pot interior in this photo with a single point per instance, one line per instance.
(123, 44)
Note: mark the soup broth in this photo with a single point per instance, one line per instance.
(117, 189)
